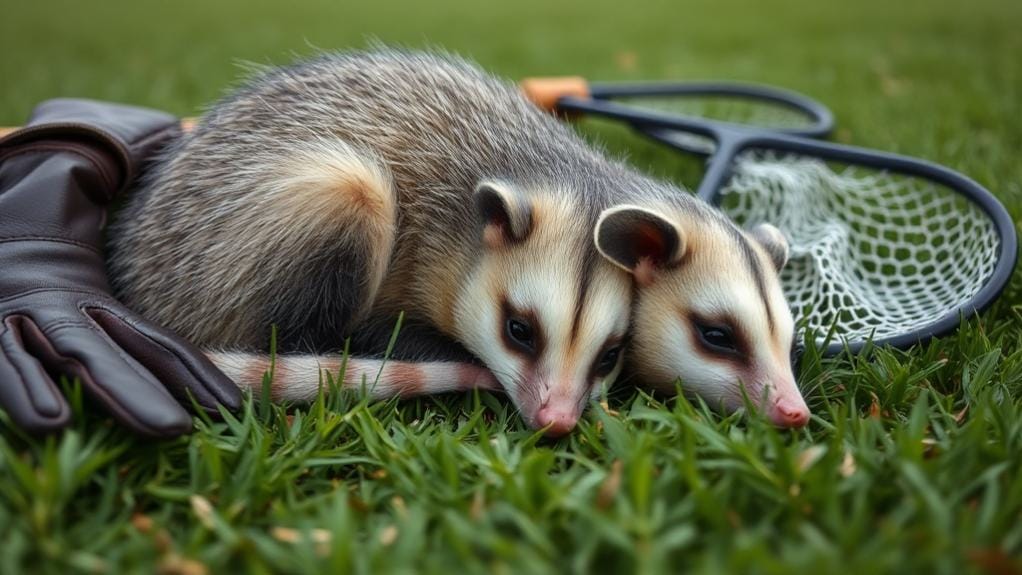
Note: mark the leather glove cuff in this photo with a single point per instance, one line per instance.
(122, 136)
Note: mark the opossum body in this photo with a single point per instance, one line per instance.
(331, 195)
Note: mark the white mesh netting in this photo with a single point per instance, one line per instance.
(872, 253)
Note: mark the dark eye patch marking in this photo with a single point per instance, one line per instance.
(527, 316)
(614, 341)
(742, 354)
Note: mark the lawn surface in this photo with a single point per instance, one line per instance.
(911, 463)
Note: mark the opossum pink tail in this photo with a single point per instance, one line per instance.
(298, 377)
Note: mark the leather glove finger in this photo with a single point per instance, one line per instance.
(180, 366)
(111, 377)
(27, 393)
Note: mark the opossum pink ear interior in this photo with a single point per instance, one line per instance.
(639, 240)
(505, 213)
(773, 241)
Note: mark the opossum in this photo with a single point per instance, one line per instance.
(327, 196)
(710, 310)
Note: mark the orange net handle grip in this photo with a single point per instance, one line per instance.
(544, 92)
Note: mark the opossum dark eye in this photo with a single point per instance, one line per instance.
(607, 362)
(523, 334)
(520, 332)
(717, 338)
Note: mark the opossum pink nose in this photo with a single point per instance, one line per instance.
(556, 421)
(787, 413)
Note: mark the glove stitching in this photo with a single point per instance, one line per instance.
(121, 147)
(64, 323)
(90, 154)
(52, 290)
(76, 243)
(94, 133)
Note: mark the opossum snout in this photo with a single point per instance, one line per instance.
(554, 409)
(786, 414)
(786, 407)
(556, 420)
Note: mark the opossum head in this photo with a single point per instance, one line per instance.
(710, 308)
(540, 307)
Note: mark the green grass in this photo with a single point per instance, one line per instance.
(911, 463)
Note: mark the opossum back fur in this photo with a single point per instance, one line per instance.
(426, 126)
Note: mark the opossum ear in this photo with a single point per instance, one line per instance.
(773, 241)
(639, 240)
(505, 213)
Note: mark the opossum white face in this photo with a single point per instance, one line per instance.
(710, 310)
(541, 308)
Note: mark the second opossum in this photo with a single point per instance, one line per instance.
(328, 196)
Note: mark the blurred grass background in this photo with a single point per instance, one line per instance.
(940, 79)
(911, 464)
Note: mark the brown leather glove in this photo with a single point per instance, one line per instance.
(57, 316)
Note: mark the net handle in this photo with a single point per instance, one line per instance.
(600, 100)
